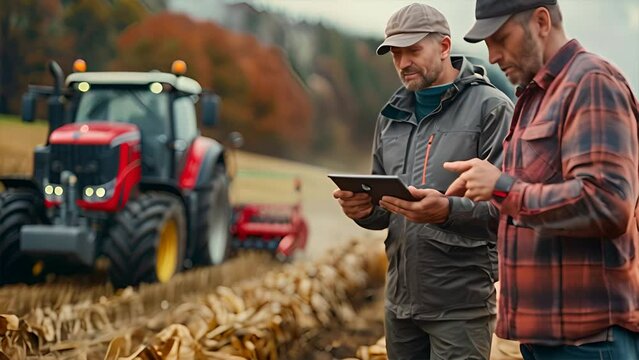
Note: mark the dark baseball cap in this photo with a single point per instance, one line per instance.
(492, 14)
(410, 24)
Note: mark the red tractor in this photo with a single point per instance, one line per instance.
(124, 175)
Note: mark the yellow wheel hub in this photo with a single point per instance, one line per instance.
(37, 268)
(167, 252)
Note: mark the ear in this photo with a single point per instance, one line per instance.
(542, 21)
(445, 46)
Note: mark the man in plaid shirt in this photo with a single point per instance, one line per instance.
(567, 192)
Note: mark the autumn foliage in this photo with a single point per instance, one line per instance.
(260, 95)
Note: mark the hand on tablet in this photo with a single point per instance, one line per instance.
(432, 206)
(355, 206)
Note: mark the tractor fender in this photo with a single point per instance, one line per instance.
(202, 156)
(18, 182)
(147, 185)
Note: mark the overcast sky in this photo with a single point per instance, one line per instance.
(607, 27)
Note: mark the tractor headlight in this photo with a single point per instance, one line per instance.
(95, 193)
(100, 192)
(53, 192)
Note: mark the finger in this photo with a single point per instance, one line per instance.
(359, 213)
(458, 166)
(364, 213)
(398, 203)
(387, 205)
(475, 195)
(482, 195)
(341, 194)
(361, 196)
(469, 194)
(399, 210)
(457, 188)
(350, 203)
(358, 207)
(432, 192)
(392, 208)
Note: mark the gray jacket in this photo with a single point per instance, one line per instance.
(446, 270)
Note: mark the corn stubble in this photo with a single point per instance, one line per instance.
(267, 317)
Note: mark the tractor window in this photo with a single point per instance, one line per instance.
(143, 108)
(185, 119)
(149, 111)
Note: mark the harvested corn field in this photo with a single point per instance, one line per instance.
(266, 317)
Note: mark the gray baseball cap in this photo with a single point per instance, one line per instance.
(492, 14)
(410, 24)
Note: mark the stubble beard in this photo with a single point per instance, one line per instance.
(425, 80)
(531, 60)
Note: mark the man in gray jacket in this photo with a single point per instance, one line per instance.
(440, 297)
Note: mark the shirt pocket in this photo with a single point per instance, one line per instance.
(540, 160)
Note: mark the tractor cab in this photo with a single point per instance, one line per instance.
(160, 105)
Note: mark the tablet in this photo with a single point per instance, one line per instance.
(375, 185)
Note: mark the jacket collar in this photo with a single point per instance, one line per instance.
(402, 104)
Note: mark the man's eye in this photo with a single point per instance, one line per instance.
(501, 39)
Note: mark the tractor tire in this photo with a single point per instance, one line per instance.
(213, 244)
(17, 208)
(147, 240)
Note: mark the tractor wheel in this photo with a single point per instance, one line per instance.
(17, 208)
(213, 244)
(146, 242)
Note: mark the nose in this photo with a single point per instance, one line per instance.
(494, 55)
(403, 62)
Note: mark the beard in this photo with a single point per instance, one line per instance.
(424, 80)
(531, 61)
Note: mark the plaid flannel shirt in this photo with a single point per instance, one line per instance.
(568, 238)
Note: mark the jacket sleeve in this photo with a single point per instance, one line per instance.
(480, 219)
(379, 218)
(599, 165)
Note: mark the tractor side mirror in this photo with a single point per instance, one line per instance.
(56, 112)
(28, 106)
(210, 106)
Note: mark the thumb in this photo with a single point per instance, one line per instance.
(458, 166)
(417, 193)
(457, 188)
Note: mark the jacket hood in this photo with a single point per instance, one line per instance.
(402, 103)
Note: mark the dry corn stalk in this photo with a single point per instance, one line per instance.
(372, 352)
(251, 320)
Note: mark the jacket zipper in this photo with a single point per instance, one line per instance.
(430, 142)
